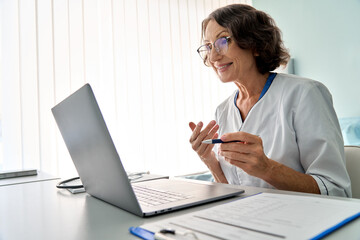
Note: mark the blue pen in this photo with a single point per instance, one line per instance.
(214, 141)
(142, 233)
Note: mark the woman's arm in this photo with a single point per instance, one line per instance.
(285, 178)
(249, 156)
(215, 169)
(319, 140)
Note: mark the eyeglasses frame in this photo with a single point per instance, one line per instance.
(212, 44)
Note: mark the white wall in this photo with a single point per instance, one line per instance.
(324, 39)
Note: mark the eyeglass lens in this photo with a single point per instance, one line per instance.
(221, 46)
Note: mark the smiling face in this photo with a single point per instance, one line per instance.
(236, 64)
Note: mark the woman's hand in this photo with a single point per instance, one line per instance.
(205, 150)
(197, 136)
(248, 154)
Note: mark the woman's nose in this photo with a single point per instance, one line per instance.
(214, 55)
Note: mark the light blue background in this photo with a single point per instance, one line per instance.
(323, 37)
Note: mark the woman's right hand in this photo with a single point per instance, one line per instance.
(203, 150)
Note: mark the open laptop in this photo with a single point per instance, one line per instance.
(100, 169)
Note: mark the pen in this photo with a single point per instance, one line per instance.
(214, 141)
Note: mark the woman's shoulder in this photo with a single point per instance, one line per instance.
(296, 83)
(295, 89)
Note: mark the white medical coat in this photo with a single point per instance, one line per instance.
(299, 128)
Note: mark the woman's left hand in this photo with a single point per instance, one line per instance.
(248, 154)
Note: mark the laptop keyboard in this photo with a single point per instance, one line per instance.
(153, 197)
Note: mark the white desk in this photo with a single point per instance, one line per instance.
(40, 211)
(41, 176)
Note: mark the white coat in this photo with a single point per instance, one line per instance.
(299, 128)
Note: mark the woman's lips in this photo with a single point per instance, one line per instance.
(223, 68)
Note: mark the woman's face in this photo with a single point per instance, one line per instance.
(236, 63)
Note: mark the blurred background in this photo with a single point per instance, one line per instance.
(140, 58)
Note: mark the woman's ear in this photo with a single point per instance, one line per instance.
(255, 53)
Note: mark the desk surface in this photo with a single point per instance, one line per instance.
(41, 176)
(40, 211)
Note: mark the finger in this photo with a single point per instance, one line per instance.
(198, 141)
(240, 136)
(239, 147)
(251, 158)
(212, 132)
(255, 149)
(204, 149)
(192, 126)
(233, 155)
(207, 129)
(216, 135)
(241, 164)
(196, 132)
(249, 164)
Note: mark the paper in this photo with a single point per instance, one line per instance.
(265, 216)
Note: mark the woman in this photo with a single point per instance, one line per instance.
(287, 132)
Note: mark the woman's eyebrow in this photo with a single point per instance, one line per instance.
(217, 36)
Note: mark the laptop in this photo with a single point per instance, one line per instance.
(99, 166)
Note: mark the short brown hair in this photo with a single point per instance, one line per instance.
(255, 30)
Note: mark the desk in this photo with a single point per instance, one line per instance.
(40, 211)
(41, 176)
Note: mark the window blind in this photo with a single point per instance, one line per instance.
(140, 58)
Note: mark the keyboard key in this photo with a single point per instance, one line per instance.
(153, 197)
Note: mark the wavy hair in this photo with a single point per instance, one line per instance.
(252, 29)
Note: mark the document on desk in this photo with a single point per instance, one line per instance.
(265, 216)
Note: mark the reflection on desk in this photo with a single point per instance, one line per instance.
(40, 211)
(41, 176)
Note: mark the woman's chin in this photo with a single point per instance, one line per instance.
(224, 79)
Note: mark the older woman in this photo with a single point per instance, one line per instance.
(280, 131)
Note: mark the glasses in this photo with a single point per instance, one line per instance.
(221, 46)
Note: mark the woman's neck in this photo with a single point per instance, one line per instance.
(252, 86)
(249, 92)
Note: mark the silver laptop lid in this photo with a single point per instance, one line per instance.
(99, 166)
(89, 143)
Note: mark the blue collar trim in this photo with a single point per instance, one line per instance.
(267, 84)
(265, 89)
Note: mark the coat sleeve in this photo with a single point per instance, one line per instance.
(320, 141)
